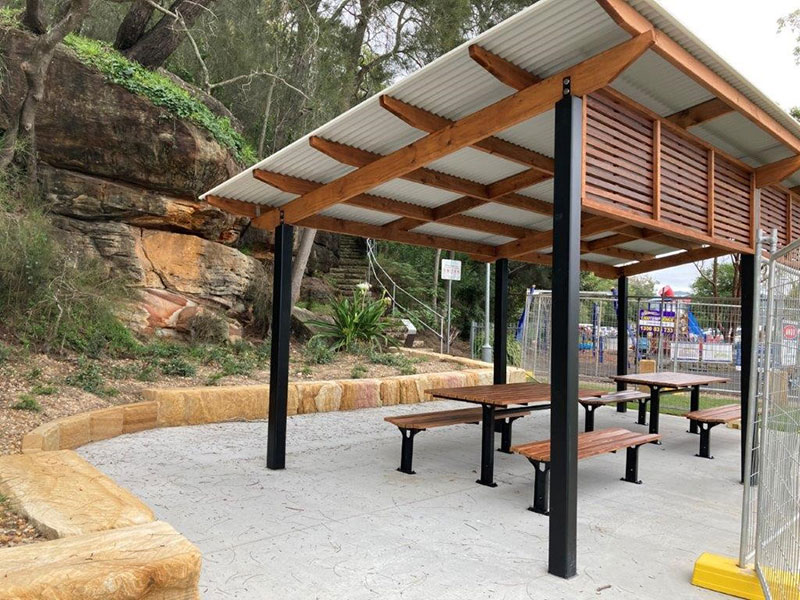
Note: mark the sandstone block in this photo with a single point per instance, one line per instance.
(139, 416)
(328, 397)
(106, 423)
(217, 404)
(45, 437)
(172, 406)
(63, 495)
(360, 393)
(143, 562)
(74, 431)
(390, 391)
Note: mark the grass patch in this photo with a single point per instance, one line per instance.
(160, 90)
(179, 367)
(44, 390)
(318, 352)
(27, 402)
(10, 17)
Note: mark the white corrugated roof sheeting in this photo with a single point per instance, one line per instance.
(545, 38)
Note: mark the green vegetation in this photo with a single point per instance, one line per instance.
(208, 328)
(44, 390)
(27, 402)
(88, 377)
(10, 17)
(160, 90)
(356, 320)
(178, 366)
(49, 298)
(318, 353)
(397, 360)
(358, 371)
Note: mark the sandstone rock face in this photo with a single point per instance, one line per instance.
(86, 124)
(88, 198)
(142, 562)
(53, 490)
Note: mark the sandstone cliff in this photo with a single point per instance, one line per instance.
(122, 176)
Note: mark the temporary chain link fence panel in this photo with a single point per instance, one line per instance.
(684, 334)
(777, 547)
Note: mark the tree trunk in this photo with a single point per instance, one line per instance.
(301, 261)
(158, 44)
(21, 132)
(134, 24)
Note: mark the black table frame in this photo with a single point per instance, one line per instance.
(656, 391)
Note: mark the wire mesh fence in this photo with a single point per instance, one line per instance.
(687, 335)
(777, 478)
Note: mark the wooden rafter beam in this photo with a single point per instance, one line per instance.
(421, 119)
(777, 171)
(515, 183)
(296, 185)
(235, 207)
(636, 24)
(503, 70)
(621, 253)
(355, 157)
(600, 269)
(384, 233)
(590, 225)
(673, 260)
(700, 113)
(585, 77)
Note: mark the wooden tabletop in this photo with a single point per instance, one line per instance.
(503, 394)
(669, 380)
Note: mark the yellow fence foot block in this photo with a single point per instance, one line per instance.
(722, 574)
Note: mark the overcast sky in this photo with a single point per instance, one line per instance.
(745, 34)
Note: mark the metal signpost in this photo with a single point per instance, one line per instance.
(451, 271)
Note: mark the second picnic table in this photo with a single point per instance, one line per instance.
(668, 383)
(498, 397)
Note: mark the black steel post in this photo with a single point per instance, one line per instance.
(279, 357)
(500, 320)
(655, 408)
(622, 336)
(487, 446)
(694, 404)
(749, 343)
(564, 351)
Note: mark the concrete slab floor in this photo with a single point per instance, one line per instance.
(341, 522)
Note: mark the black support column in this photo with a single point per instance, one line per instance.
(500, 320)
(564, 353)
(279, 357)
(749, 341)
(622, 335)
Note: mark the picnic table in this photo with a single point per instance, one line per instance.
(669, 383)
(494, 398)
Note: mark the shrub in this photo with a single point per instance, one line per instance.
(88, 377)
(408, 369)
(259, 297)
(146, 373)
(179, 367)
(357, 320)
(27, 402)
(358, 371)
(50, 298)
(5, 353)
(318, 353)
(208, 328)
(160, 90)
(242, 364)
(44, 390)
(162, 349)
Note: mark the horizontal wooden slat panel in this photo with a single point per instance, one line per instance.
(732, 201)
(774, 206)
(795, 218)
(619, 155)
(684, 182)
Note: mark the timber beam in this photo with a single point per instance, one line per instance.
(504, 71)
(585, 78)
(636, 24)
(700, 113)
(777, 171)
(673, 260)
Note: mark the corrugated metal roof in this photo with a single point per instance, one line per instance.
(545, 38)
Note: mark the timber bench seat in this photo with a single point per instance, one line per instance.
(411, 425)
(711, 417)
(592, 403)
(592, 443)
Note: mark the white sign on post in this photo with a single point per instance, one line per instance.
(451, 269)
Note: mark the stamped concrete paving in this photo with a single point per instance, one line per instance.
(340, 522)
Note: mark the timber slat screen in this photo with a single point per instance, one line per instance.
(774, 211)
(648, 167)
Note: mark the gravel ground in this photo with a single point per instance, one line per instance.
(15, 529)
